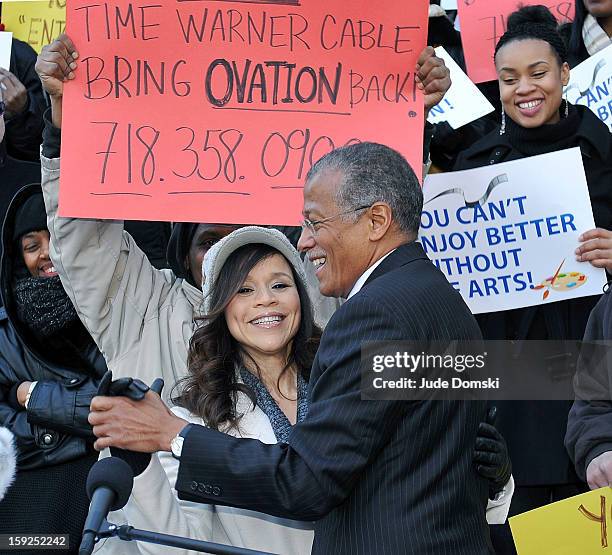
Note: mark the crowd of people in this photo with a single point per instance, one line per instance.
(260, 438)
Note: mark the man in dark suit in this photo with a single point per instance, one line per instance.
(384, 477)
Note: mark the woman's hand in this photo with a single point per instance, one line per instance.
(596, 248)
(432, 77)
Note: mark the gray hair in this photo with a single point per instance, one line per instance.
(371, 173)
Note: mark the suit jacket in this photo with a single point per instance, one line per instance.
(380, 477)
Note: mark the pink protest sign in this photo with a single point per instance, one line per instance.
(213, 111)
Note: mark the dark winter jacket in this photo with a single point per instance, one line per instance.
(589, 425)
(54, 428)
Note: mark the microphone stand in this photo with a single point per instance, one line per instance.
(129, 533)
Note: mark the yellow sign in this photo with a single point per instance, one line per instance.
(578, 525)
(37, 23)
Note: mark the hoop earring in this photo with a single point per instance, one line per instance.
(502, 129)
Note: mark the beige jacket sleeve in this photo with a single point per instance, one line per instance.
(108, 278)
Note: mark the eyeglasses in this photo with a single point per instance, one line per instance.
(311, 226)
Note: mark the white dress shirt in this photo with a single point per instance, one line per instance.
(364, 277)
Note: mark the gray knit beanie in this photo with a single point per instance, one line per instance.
(218, 254)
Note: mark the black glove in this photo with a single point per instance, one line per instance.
(491, 455)
(134, 389)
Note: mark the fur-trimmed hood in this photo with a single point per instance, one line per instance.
(8, 458)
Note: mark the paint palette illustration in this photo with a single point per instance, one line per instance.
(561, 282)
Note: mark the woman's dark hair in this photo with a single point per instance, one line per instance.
(534, 22)
(576, 41)
(211, 386)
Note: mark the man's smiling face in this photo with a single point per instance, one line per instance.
(338, 248)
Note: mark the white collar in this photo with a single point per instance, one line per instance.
(364, 277)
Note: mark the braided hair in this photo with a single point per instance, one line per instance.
(534, 22)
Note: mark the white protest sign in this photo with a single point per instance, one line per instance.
(6, 41)
(463, 103)
(591, 85)
(505, 235)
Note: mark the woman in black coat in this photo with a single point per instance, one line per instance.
(49, 372)
(531, 60)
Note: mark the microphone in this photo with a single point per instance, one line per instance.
(109, 484)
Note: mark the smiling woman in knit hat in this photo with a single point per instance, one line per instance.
(249, 365)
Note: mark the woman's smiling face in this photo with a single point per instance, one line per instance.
(264, 316)
(35, 251)
(531, 82)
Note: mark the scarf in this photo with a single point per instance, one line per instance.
(280, 423)
(546, 138)
(42, 304)
(594, 37)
